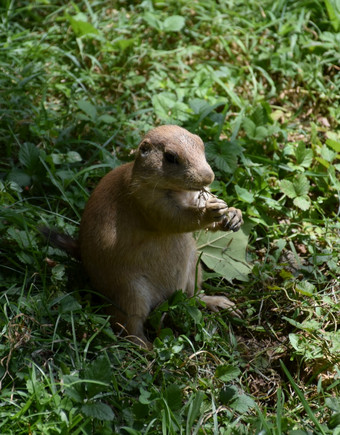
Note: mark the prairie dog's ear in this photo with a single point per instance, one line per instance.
(144, 147)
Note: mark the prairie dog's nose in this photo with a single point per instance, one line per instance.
(207, 175)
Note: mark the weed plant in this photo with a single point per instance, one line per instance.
(259, 81)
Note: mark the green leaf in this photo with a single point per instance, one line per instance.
(242, 403)
(98, 410)
(152, 20)
(222, 163)
(168, 108)
(123, 44)
(88, 108)
(227, 395)
(302, 202)
(74, 388)
(227, 372)
(194, 409)
(323, 162)
(29, 157)
(254, 132)
(304, 157)
(224, 155)
(244, 194)
(68, 303)
(145, 396)
(225, 253)
(107, 119)
(328, 154)
(58, 272)
(297, 190)
(335, 145)
(305, 288)
(21, 237)
(162, 103)
(333, 10)
(249, 127)
(195, 314)
(259, 116)
(287, 188)
(69, 157)
(301, 185)
(99, 371)
(173, 395)
(174, 23)
(80, 26)
(334, 421)
(199, 106)
(19, 177)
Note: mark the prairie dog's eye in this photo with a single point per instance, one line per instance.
(171, 157)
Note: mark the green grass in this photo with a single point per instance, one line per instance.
(80, 83)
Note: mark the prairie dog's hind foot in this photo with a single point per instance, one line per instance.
(216, 303)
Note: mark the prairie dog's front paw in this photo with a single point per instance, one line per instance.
(215, 210)
(232, 220)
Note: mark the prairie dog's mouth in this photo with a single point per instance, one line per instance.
(198, 189)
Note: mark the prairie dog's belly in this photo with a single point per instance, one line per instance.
(165, 262)
(155, 266)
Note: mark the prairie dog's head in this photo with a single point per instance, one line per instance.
(170, 157)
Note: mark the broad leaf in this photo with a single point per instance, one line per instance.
(80, 26)
(228, 394)
(162, 104)
(287, 188)
(98, 371)
(173, 395)
(19, 177)
(301, 185)
(297, 190)
(333, 144)
(254, 132)
(168, 108)
(98, 410)
(29, 157)
(227, 372)
(107, 119)
(225, 253)
(173, 24)
(305, 287)
(328, 154)
(302, 202)
(243, 403)
(74, 388)
(304, 157)
(224, 154)
(244, 194)
(152, 20)
(259, 116)
(70, 157)
(88, 108)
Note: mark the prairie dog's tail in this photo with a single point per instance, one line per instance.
(61, 241)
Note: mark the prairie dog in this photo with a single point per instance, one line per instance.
(135, 236)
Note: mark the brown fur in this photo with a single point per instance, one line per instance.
(135, 239)
(135, 235)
